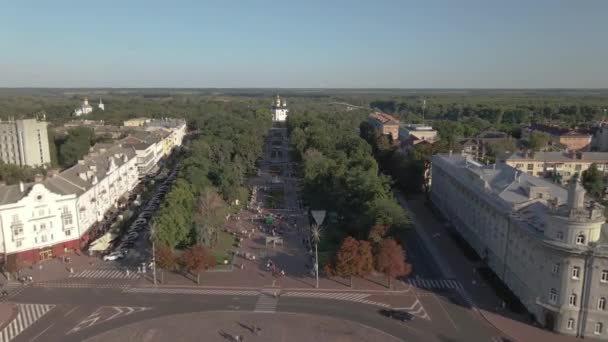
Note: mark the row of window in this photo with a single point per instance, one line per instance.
(572, 300)
(43, 238)
(598, 329)
(576, 273)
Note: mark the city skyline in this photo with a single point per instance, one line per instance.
(266, 44)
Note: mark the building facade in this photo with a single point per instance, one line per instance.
(548, 244)
(84, 109)
(279, 110)
(52, 216)
(385, 124)
(24, 142)
(563, 164)
(572, 140)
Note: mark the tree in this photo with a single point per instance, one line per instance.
(354, 258)
(197, 259)
(212, 212)
(165, 259)
(537, 141)
(377, 233)
(73, 147)
(390, 260)
(593, 181)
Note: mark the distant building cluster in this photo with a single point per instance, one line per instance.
(51, 216)
(385, 124)
(24, 142)
(549, 245)
(85, 108)
(572, 140)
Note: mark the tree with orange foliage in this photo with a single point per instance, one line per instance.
(197, 259)
(354, 258)
(390, 260)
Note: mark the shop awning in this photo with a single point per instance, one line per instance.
(103, 242)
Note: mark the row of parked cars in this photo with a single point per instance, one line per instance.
(128, 240)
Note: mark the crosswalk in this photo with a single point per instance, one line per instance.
(27, 315)
(353, 297)
(105, 274)
(79, 285)
(267, 302)
(446, 284)
(190, 291)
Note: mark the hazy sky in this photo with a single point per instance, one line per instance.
(304, 43)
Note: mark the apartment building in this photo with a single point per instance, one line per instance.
(564, 164)
(548, 244)
(572, 140)
(24, 142)
(385, 124)
(52, 216)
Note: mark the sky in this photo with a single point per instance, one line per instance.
(305, 43)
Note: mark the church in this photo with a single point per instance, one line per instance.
(279, 110)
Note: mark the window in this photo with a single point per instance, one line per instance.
(570, 325)
(604, 278)
(556, 268)
(553, 295)
(68, 232)
(42, 226)
(580, 239)
(577, 167)
(576, 272)
(35, 239)
(560, 236)
(530, 167)
(572, 299)
(41, 212)
(599, 327)
(18, 243)
(601, 304)
(43, 238)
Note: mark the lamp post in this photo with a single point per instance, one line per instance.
(318, 217)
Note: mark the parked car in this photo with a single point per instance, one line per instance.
(114, 256)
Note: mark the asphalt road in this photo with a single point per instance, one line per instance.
(82, 313)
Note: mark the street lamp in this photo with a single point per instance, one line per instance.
(318, 216)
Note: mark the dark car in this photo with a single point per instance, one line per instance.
(397, 314)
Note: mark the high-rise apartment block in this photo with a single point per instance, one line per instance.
(24, 142)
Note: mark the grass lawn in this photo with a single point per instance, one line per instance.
(223, 247)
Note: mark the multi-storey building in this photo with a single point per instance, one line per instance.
(572, 140)
(564, 164)
(24, 142)
(549, 245)
(48, 217)
(385, 124)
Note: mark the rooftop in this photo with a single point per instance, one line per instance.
(601, 157)
(384, 118)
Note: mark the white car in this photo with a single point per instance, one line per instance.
(113, 256)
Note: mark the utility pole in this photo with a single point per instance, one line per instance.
(423, 107)
(154, 261)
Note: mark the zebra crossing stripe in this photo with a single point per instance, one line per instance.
(27, 315)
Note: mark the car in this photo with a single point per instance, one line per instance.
(132, 234)
(402, 316)
(114, 256)
(140, 221)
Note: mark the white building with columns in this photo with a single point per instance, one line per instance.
(279, 110)
(548, 244)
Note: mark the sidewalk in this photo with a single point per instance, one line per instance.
(8, 312)
(484, 300)
(55, 269)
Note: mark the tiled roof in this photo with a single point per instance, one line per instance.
(78, 178)
(384, 119)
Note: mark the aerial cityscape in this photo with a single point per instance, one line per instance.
(304, 171)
